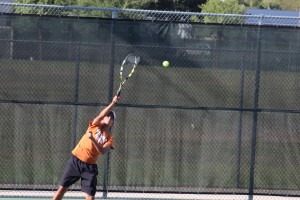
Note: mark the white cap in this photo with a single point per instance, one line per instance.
(113, 114)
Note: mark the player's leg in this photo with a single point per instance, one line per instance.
(89, 181)
(89, 197)
(71, 175)
(60, 193)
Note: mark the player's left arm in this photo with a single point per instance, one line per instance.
(102, 149)
(105, 111)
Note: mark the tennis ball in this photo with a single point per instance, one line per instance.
(166, 63)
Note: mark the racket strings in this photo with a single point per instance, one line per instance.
(128, 67)
(127, 71)
(133, 59)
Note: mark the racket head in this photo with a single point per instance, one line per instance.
(131, 58)
(128, 66)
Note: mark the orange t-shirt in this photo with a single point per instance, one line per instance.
(86, 151)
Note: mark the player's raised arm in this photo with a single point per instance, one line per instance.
(105, 111)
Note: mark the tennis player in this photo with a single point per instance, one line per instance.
(82, 164)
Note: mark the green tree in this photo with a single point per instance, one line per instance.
(171, 5)
(223, 7)
(179, 5)
(273, 4)
(290, 5)
(281, 4)
(251, 3)
(270, 4)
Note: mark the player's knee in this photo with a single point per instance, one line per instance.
(89, 197)
(62, 190)
(60, 193)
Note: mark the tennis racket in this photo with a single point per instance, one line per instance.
(127, 69)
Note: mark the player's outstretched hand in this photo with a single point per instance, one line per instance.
(116, 99)
(90, 134)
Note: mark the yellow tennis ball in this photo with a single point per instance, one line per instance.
(166, 63)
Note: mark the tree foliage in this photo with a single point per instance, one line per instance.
(212, 6)
(179, 5)
(222, 7)
(273, 4)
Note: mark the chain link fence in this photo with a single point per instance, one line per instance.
(221, 120)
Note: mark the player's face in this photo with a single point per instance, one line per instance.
(107, 121)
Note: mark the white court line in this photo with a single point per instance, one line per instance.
(195, 196)
(117, 195)
(24, 193)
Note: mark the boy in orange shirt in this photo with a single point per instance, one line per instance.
(82, 164)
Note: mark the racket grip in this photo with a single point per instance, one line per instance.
(118, 93)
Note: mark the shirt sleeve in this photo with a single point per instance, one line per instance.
(91, 124)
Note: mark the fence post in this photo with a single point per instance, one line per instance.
(255, 112)
(110, 96)
(240, 125)
(76, 84)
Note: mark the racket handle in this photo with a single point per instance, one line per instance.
(118, 93)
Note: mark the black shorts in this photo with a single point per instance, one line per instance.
(77, 169)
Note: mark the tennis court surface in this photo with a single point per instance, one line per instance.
(75, 195)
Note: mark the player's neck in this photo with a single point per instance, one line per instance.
(104, 127)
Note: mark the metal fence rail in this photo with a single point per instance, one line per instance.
(222, 119)
(152, 15)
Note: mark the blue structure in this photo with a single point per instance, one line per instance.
(274, 17)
